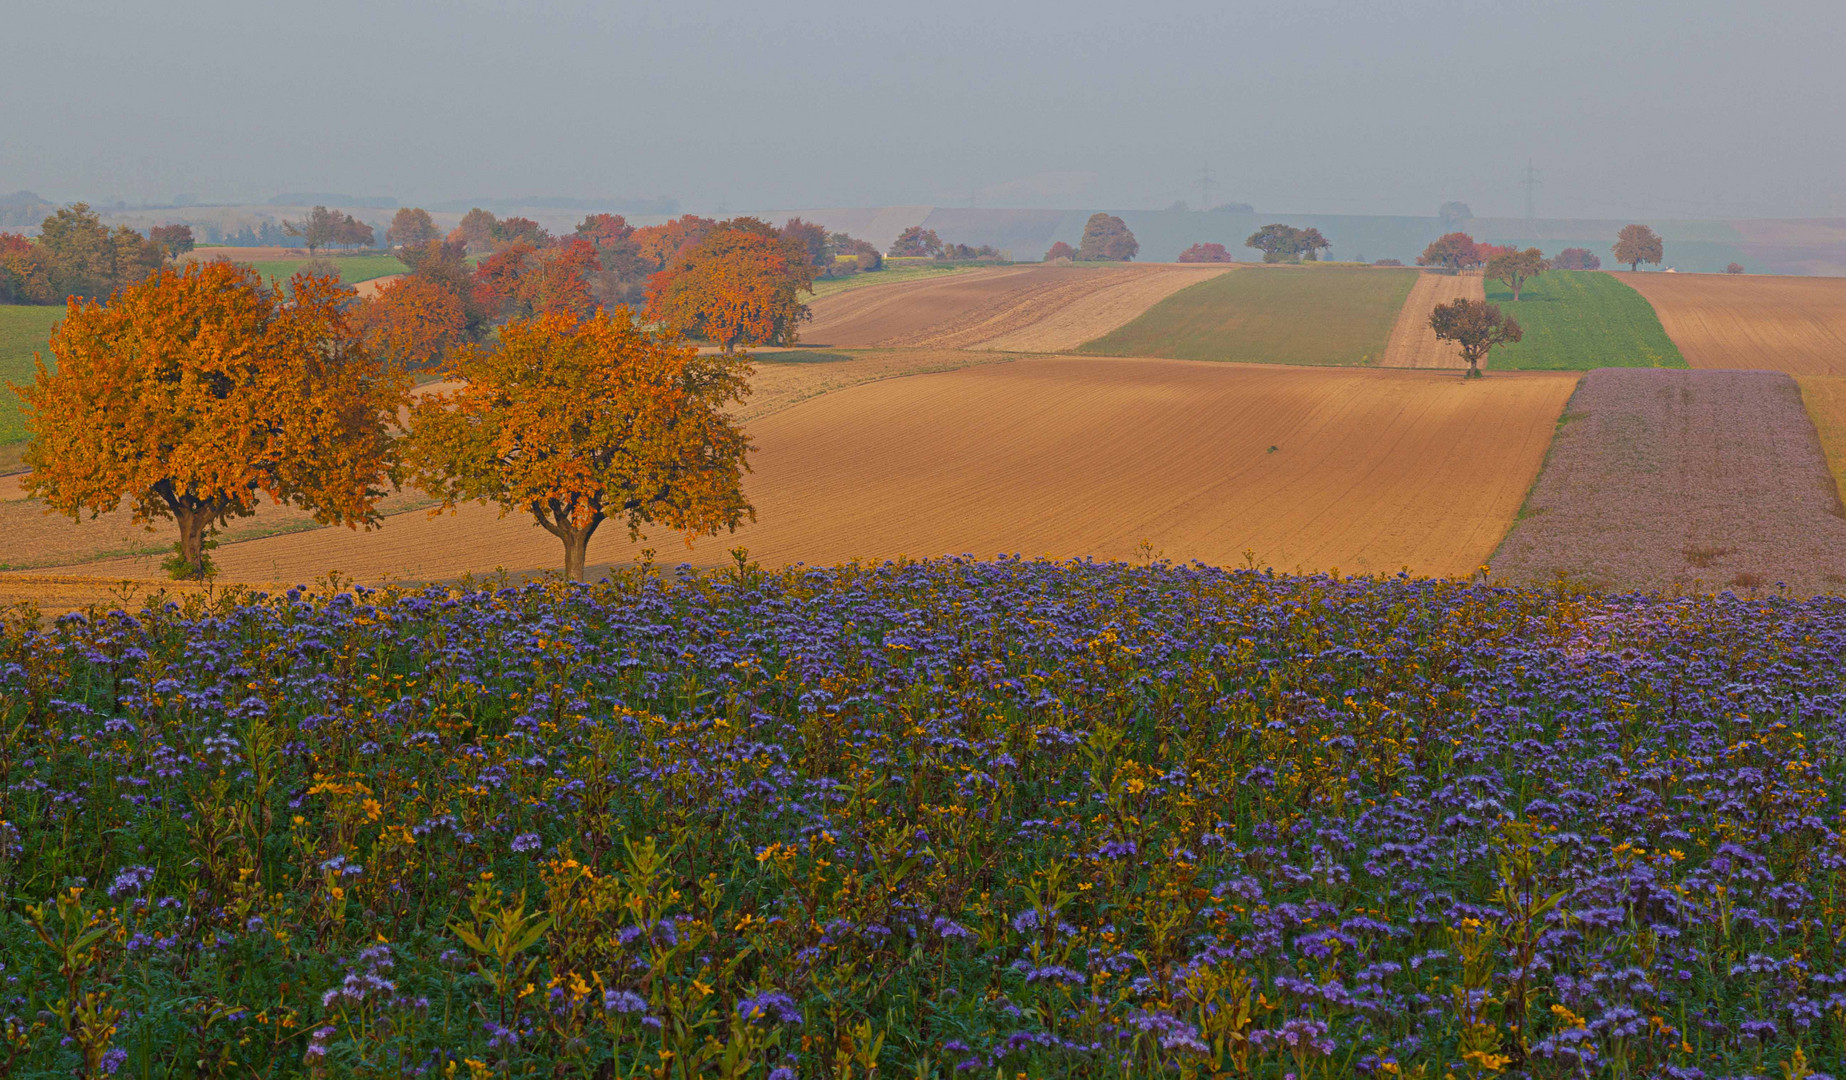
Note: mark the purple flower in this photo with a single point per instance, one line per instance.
(130, 881)
(526, 842)
(770, 1005)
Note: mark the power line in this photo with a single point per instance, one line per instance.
(1205, 185)
(1531, 186)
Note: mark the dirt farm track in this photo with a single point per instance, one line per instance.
(1364, 470)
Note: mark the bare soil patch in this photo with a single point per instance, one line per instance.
(1792, 324)
(1364, 470)
(1683, 481)
(369, 287)
(1413, 344)
(246, 254)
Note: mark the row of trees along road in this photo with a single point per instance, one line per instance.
(198, 391)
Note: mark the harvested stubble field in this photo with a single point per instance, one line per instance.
(1019, 309)
(1680, 481)
(1281, 315)
(1367, 471)
(892, 274)
(31, 539)
(1792, 324)
(1413, 344)
(1575, 320)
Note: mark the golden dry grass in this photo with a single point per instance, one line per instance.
(1413, 344)
(1824, 397)
(1792, 324)
(1365, 470)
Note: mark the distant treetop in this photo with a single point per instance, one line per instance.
(1106, 239)
(1206, 253)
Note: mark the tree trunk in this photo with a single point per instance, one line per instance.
(576, 547)
(556, 520)
(192, 538)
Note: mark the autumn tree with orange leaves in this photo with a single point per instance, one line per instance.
(579, 421)
(198, 390)
(414, 322)
(741, 285)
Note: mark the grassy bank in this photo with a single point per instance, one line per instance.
(24, 330)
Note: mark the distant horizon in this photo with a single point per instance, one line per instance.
(568, 203)
(1681, 109)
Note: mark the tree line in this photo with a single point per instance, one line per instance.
(200, 391)
(193, 392)
(75, 254)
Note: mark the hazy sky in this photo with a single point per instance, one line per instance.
(1666, 108)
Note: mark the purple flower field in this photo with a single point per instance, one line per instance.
(938, 819)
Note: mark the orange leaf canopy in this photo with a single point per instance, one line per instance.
(192, 392)
(577, 421)
(738, 286)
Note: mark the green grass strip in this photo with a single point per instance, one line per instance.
(1576, 320)
(1278, 315)
(353, 268)
(24, 330)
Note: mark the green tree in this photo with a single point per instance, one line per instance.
(1638, 244)
(1285, 243)
(1515, 268)
(318, 230)
(915, 242)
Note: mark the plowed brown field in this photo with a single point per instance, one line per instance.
(1413, 344)
(1019, 309)
(1683, 481)
(1362, 469)
(1792, 324)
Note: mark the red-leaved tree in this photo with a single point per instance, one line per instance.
(1206, 253)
